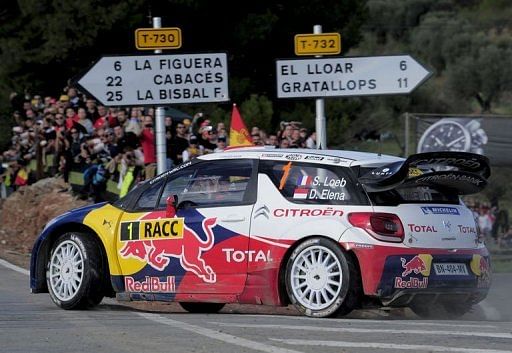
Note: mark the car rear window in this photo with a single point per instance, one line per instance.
(309, 183)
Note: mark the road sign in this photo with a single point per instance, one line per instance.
(158, 79)
(318, 44)
(349, 76)
(158, 38)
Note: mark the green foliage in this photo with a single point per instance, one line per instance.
(257, 111)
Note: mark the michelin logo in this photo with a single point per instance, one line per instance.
(440, 210)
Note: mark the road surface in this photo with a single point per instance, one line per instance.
(32, 323)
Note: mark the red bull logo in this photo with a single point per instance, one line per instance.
(485, 269)
(150, 285)
(189, 248)
(415, 265)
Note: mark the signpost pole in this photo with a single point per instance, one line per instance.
(161, 150)
(321, 137)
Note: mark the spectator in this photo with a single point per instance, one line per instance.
(311, 140)
(193, 149)
(178, 144)
(84, 121)
(147, 141)
(221, 144)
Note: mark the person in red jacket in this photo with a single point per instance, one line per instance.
(147, 141)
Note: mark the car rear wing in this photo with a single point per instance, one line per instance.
(461, 172)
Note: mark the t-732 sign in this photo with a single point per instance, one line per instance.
(356, 76)
(158, 79)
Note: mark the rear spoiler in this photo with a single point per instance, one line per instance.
(461, 172)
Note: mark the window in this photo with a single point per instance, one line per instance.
(213, 183)
(147, 200)
(314, 183)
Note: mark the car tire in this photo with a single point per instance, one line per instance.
(322, 280)
(204, 308)
(449, 311)
(74, 272)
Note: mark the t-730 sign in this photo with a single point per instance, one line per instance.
(158, 79)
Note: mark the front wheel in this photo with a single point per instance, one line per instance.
(74, 272)
(321, 280)
(205, 308)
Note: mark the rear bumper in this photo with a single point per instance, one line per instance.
(399, 275)
(431, 296)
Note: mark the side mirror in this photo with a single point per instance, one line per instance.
(170, 210)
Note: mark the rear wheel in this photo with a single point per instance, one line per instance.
(205, 308)
(321, 280)
(74, 272)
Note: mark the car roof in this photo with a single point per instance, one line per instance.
(335, 157)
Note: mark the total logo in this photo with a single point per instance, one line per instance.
(233, 255)
(422, 228)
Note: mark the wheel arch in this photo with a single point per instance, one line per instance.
(49, 241)
(283, 295)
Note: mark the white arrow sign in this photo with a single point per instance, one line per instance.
(158, 79)
(357, 76)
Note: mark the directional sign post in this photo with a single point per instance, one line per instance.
(158, 79)
(356, 76)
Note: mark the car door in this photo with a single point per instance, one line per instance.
(203, 247)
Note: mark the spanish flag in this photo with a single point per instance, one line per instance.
(238, 134)
(21, 178)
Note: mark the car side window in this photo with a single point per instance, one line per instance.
(212, 183)
(147, 200)
(314, 183)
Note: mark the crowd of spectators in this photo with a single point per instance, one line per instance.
(493, 222)
(72, 132)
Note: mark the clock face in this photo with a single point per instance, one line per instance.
(445, 136)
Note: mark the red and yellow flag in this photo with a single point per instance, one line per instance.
(238, 134)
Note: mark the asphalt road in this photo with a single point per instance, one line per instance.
(32, 323)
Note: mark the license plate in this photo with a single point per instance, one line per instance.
(451, 269)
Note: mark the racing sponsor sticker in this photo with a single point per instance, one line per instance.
(150, 285)
(293, 157)
(440, 210)
(419, 264)
(164, 228)
(233, 255)
(411, 283)
(143, 242)
(306, 212)
(314, 158)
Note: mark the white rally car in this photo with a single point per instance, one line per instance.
(328, 231)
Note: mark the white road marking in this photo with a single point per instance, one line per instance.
(369, 330)
(378, 345)
(14, 267)
(369, 321)
(221, 336)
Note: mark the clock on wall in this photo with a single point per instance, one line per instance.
(451, 134)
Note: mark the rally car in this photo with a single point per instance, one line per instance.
(328, 231)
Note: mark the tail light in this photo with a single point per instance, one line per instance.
(381, 226)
